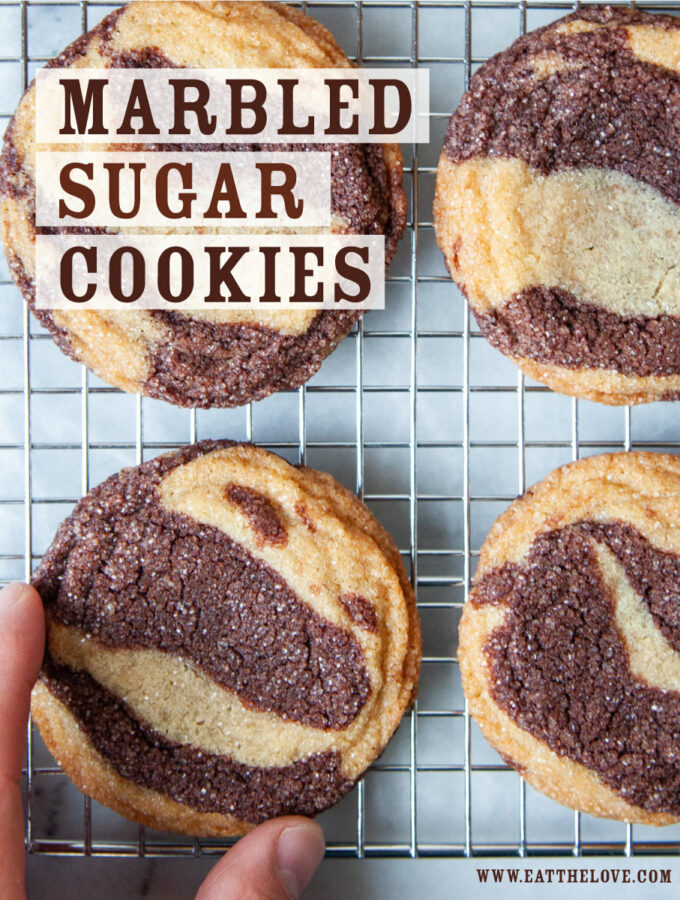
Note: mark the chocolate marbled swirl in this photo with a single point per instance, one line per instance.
(557, 203)
(205, 662)
(220, 359)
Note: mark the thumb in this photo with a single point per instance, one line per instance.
(275, 861)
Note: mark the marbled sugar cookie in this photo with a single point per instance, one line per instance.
(569, 646)
(213, 358)
(557, 204)
(230, 638)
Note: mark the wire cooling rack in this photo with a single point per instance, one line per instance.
(431, 427)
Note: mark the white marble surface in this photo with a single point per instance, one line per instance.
(343, 879)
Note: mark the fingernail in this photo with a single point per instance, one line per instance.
(10, 595)
(298, 854)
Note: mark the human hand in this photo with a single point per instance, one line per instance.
(274, 862)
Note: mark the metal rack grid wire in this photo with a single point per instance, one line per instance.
(470, 434)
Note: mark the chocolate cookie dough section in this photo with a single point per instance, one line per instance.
(208, 652)
(575, 95)
(557, 203)
(551, 326)
(560, 667)
(215, 362)
(217, 358)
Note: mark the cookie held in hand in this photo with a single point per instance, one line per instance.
(230, 638)
(569, 646)
(557, 204)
